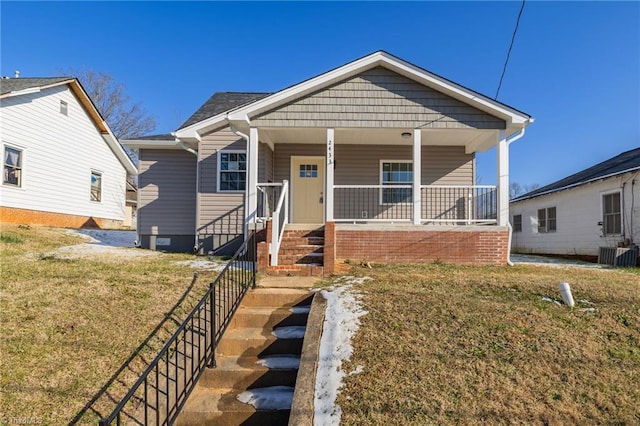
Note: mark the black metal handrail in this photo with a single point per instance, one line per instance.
(164, 387)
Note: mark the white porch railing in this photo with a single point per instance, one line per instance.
(439, 204)
(279, 220)
(268, 196)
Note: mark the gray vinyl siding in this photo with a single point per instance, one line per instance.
(378, 98)
(166, 192)
(360, 165)
(265, 163)
(215, 205)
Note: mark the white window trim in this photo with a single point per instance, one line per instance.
(602, 195)
(23, 152)
(218, 171)
(546, 215)
(96, 171)
(381, 195)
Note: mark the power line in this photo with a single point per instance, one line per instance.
(513, 38)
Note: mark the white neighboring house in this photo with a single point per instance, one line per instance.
(596, 207)
(62, 165)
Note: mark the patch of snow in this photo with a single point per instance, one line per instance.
(203, 264)
(548, 299)
(269, 398)
(342, 319)
(110, 238)
(289, 332)
(280, 362)
(359, 369)
(301, 309)
(531, 259)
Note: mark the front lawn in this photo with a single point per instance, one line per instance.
(67, 323)
(445, 344)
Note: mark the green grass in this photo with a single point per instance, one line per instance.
(445, 344)
(68, 323)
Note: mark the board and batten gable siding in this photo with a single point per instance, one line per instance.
(59, 153)
(378, 98)
(166, 192)
(578, 211)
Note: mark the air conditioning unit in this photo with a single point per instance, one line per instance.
(616, 256)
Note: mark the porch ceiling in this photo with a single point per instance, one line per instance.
(473, 140)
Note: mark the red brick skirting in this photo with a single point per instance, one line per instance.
(473, 245)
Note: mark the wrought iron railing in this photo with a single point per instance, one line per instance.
(458, 204)
(221, 232)
(159, 394)
(279, 221)
(439, 204)
(373, 203)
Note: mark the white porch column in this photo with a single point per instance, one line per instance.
(417, 169)
(503, 179)
(328, 196)
(251, 202)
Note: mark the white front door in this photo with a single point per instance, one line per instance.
(307, 189)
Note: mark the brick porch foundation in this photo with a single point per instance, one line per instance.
(466, 245)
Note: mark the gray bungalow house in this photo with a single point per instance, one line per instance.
(373, 160)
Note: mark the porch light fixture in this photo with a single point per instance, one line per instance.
(406, 135)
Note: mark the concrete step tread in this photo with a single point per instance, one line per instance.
(246, 333)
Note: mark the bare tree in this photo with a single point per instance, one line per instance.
(125, 118)
(515, 189)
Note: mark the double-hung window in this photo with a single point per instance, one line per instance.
(547, 220)
(517, 223)
(96, 186)
(611, 214)
(396, 173)
(232, 170)
(12, 173)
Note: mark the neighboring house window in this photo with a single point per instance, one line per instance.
(396, 173)
(96, 186)
(12, 174)
(547, 220)
(64, 108)
(232, 171)
(611, 214)
(517, 223)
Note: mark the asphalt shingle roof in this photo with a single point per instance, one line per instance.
(627, 161)
(15, 84)
(162, 137)
(221, 102)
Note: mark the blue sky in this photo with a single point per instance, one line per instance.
(575, 66)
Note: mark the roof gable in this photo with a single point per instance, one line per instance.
(241, 116)
(623, 163)
(10, 87)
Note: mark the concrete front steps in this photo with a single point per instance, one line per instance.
(251, 357)
(301, 252)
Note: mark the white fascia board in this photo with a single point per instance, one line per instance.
(151, 144)
(197, 129)
(307, 86)
(120, 153)
(392, 63)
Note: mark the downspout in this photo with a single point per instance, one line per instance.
(246, 191)
(509, 227)
(194, 152)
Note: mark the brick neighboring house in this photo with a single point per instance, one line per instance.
(373, 160)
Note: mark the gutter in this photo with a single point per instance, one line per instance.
(194, 152)
(509, 227)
